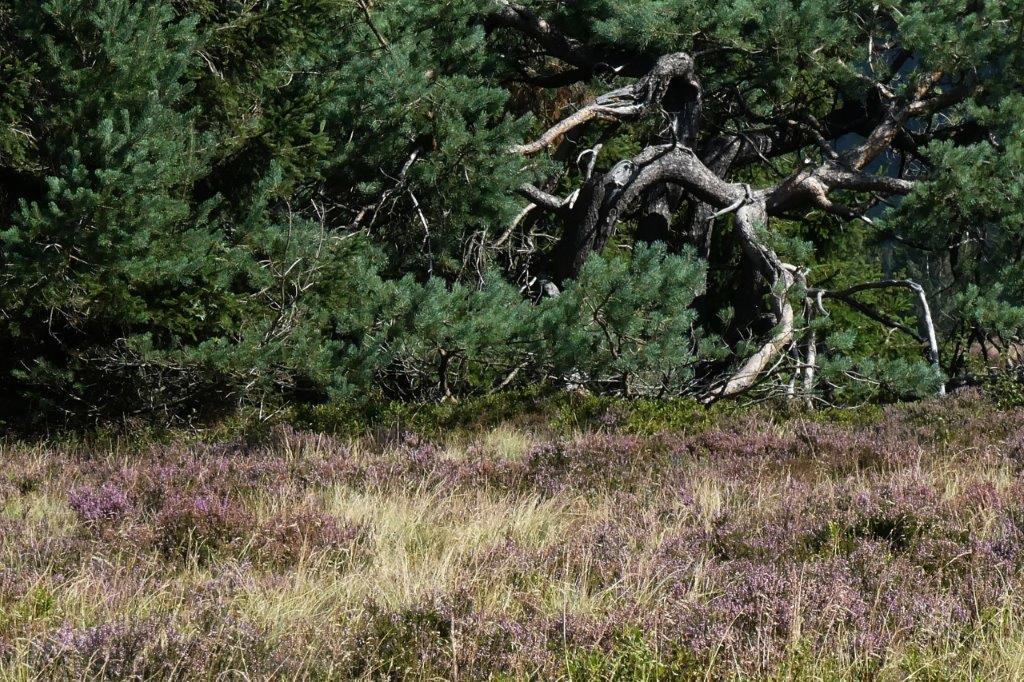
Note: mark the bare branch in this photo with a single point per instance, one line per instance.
(931, 339)
(632, 101)
(364, 5)
(553, 42)
(749, 218)
(543, 199)
(596, 110)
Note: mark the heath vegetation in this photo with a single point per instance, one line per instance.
(511, 339)
(761, 546)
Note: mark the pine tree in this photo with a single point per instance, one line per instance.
(802, 119)
(104, 247)
(206, 204)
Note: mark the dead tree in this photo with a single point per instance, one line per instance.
(689, 165)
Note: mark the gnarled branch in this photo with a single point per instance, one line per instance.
(629, 102)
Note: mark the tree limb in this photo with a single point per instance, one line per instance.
(628, 102)
(930, 339)
(543, 199)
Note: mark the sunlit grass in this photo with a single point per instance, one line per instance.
(772, 550)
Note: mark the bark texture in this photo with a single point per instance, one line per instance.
(679, 187)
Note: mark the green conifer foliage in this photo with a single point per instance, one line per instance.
(207, 204)
(627, 325)
(105, 248)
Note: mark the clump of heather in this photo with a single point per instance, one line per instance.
(113, 651)
(107, 503)
(286, 539)
(199, 524)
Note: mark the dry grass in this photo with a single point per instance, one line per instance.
(766, 550)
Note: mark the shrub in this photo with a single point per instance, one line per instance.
(198, 525)
(285, 540)
(114, 651)
(625, 325)
(108, 503)
(1006, 388)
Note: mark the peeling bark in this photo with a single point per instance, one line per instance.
(810, 367)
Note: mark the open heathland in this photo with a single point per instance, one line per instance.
(887, 544)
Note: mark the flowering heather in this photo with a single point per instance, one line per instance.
(766, 546)
(94, 505)
(199, 524)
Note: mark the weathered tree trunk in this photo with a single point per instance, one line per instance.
(750, 218)
(680, 169)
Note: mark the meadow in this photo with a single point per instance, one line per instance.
(755, 545)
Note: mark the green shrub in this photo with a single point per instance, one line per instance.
(1006, 388)
(626, 326)
(630, 657)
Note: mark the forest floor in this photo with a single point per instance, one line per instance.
(762, 546)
